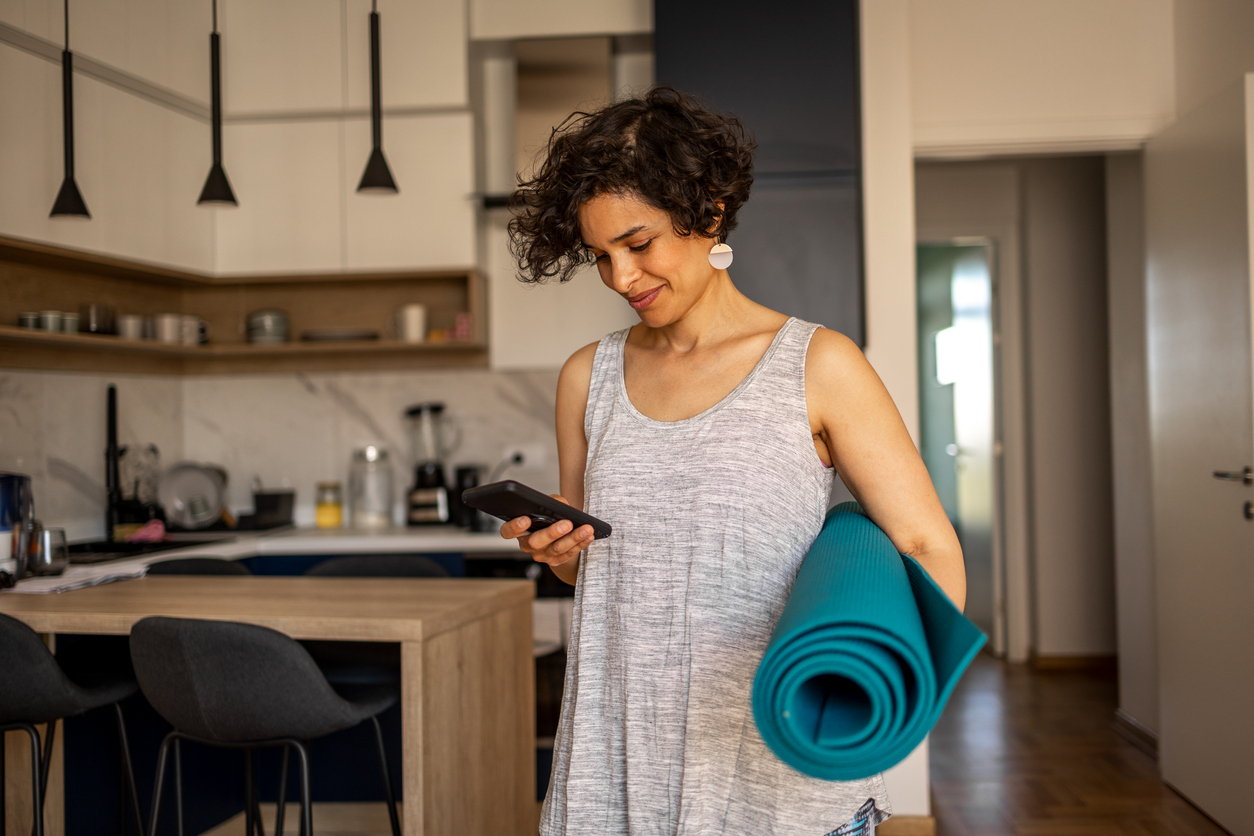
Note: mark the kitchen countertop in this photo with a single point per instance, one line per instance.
(298, 541)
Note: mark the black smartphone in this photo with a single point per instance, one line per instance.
(509, 499)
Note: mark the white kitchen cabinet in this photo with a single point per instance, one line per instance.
(281, 56)
(159, 41)
(512, 19)
(430, 223)
(287, 179)
(138, 166)
(423, 48)
(42, 18)
(147, 162)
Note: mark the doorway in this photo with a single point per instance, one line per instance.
(957, 411)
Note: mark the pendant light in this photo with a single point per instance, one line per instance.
(69, 202)
(217, 190)
(377, 177)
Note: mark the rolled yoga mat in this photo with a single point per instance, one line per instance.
(864, 657)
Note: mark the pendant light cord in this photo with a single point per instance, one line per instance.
(67, 25)
(215, 16)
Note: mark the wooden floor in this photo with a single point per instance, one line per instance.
(1028, 753)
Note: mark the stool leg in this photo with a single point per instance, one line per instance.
(37, 801)
(306, 799)
(178, 784)
(43, 774)
(158, 786)
(387, 778)
(278, 814)
(125, 748)
(250, 788)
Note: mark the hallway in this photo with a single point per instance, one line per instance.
(1032, 753)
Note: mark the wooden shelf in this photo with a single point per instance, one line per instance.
(226, 357)
(40, 277)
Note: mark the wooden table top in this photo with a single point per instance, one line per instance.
(354, 609)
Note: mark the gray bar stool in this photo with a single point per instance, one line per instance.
(246, 687)
(35, 688)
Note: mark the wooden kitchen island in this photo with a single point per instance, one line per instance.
(467, 693)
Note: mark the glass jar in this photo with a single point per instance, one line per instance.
(370, 484)
(329, 505)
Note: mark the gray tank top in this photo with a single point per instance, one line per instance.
(712, 516)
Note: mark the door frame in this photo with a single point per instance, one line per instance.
(1012, 577)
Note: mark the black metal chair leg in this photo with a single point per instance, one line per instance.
(282, 794)
(159, 784)
(37, 799)
(250, 794)
(387, 777)
(178, 784)
(3, 812)
(306, 797)
(49, 736)
(125, 747)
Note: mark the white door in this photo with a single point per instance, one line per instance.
(1198, 214)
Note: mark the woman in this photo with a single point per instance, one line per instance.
(708, 435)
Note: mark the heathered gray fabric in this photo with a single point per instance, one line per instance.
(712, 516)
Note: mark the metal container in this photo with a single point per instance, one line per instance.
(17, 522)
(49, 552)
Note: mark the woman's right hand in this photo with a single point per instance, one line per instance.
(556, 545)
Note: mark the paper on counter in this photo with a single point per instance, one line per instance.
(77, 577)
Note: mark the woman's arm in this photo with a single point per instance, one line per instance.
(853, 416)
(557, 545)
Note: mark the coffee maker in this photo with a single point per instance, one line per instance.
(429, 430)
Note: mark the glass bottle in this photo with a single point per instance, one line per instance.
(329, 505)
(370, 484)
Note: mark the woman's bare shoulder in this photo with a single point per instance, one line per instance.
(576, 376)
(832, 354)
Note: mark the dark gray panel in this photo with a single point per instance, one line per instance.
(798, 251)
(788, 70)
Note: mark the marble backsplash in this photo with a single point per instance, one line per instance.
(52, 426)
(289, 430)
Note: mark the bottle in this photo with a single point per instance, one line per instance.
(329, 507)
(370, 484)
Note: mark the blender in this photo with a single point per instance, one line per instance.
(428, 501)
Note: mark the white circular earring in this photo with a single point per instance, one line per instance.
(720, 256)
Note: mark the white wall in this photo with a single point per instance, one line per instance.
(1213, 48)
(1130, 440)
(990, 76)
(888, 230)
(1069, 406)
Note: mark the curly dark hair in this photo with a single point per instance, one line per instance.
(663, 147)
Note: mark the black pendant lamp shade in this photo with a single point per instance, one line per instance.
(217, 190)
(69, 202)
(377, 177)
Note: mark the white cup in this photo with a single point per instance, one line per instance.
(131, 326)
(411, 323)
(168, 328)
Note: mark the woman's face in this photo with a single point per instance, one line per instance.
(639, 255)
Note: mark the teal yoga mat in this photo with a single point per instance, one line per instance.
(864, 657)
